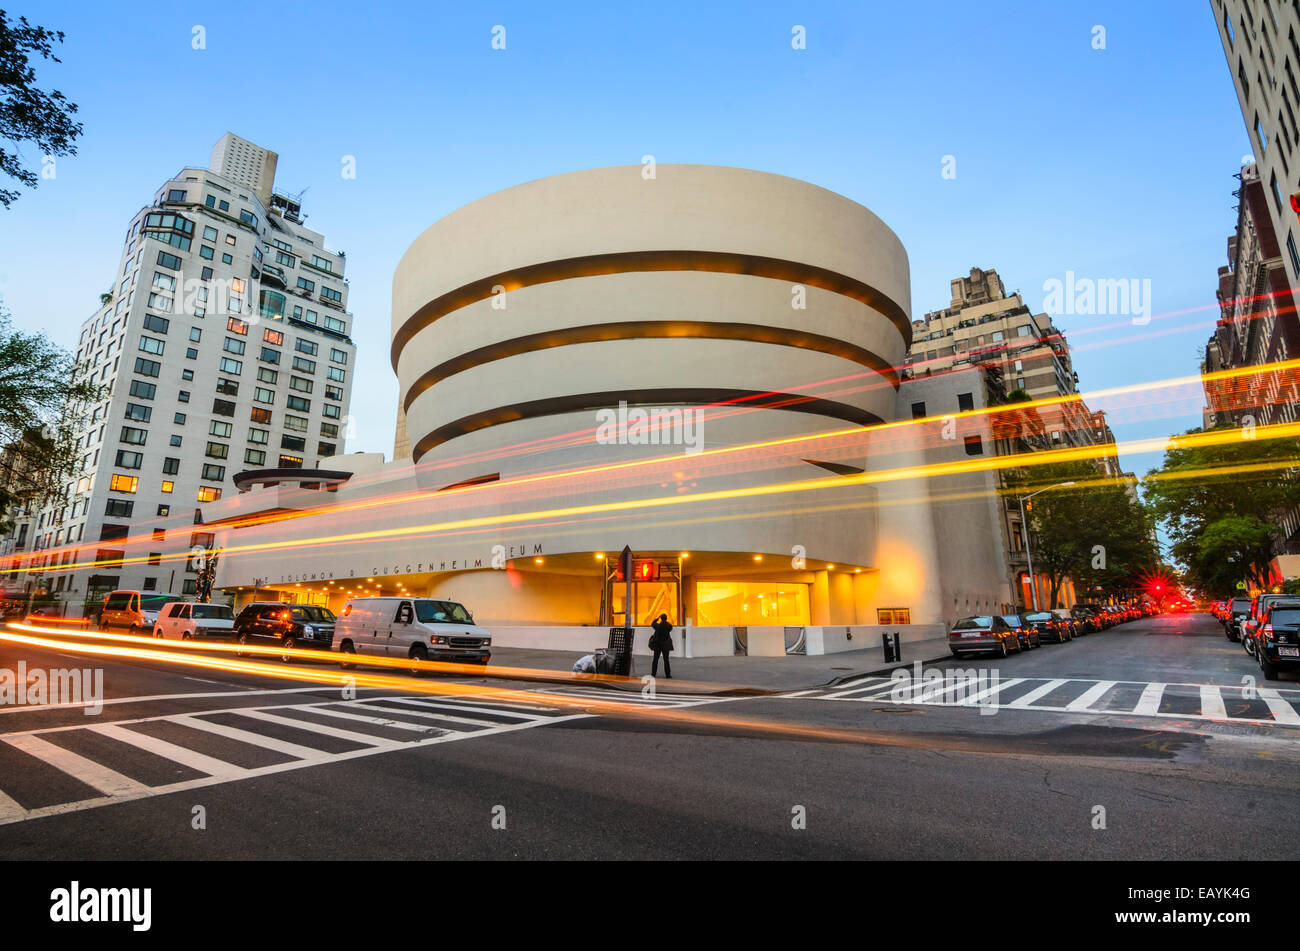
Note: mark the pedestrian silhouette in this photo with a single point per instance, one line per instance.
(661, 642)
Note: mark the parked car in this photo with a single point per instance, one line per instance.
(1049, 626)
(137, 611)
(186, 620)
(287, 625)
(1238, 611)
(1250, 627)
(1026, 632)
(972, 635)
(418, 629)
(1277, 644)
(1088, 616)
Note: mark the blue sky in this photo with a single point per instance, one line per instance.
(1113, 163)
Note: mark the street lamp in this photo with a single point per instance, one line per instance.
(1024, 528)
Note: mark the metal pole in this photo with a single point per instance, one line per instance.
(1033, 582)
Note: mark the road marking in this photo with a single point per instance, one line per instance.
(252, 739)
(1041, 691)
(1090, 696)
(311, 727)
(996, 688)
(178, 754)
(433, 705)
(875, 690)
(107, 781)
(855, 680)
(1212, 703)
(1149, 703)
(162, 696)
(1282, 711)
(10, 811)
(376, 721)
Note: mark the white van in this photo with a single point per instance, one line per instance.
(186, 620)
(415, 628)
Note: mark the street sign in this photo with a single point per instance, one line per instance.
(1241, 586)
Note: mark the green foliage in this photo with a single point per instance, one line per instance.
(39, 417)
(27, 113)
(1221, 504)
(1094, 532)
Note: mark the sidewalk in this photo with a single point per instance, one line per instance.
(713, 676)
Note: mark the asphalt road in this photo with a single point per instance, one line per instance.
(1142, 742)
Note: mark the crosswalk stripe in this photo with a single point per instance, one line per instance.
(9, 809)
(1149, 703)
(996, 688)
(1090, 696)
(251, 738)
(1282, 711)
(1212, 703)
(349, 735)
(1035, 694)
(873, 690)
(179, 754)
(849, 683)
(431, 705)
(377, 721)
(94, 775)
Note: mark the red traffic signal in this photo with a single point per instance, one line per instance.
(641, 571)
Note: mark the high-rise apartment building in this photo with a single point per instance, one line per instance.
(1261, 40)
(223, 344)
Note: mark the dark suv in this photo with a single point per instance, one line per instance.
(1238, 611)
(285, 625)
(1277, 638)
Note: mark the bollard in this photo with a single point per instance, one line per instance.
(898, 648)
(890, 648)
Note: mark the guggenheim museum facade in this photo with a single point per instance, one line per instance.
(695, 362)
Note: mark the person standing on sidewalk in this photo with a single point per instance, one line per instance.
(661, 642)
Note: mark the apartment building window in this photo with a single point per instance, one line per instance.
(217, 450)
(118, 508)
(218, 428)
(338, 356)
(296, 423)
(974, 446)
(301, 384)
(254, 457)
(168, 487)
(893, 615)
(273, 336)
(209, 233)
(306, 346)
(332, 429)
(306, 285)
(190, 585)
(234, 345)
(1261, 135)
(187, 375)
(288, 260)
(290, 462)
(322, 263)
(176, 194)
(227, 259)
(325, 448)
(142, 390)
(123, 483)
(269, 356)
(206, 252)
(150, 345)
(138, 413)
(267, 375)
(295, 443)
(133, 436)
(965, 402)
(336, 374)
(232, 366)
(183, 396)
(1291, 251)
(191, 353)
(196, 334)
(276, 242)
(259, 436)
(158, 325)
(305, 365)
(164, 510)
(223, 407)
(237, 326)
(126, 459)
(169, 261)
(147, 367)
(171, 465)
(330, 293)
(333, 392)
(299, 404)
(179, 419)
(262, 395)
(228, 387)
(208, 493)
(259, 415)
(174, 441)
(332, 411)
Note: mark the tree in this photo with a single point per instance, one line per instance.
(40, 398)
(27, 113)
(1094, 532)
(1221, 504)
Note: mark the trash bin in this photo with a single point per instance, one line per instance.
(620, 649)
